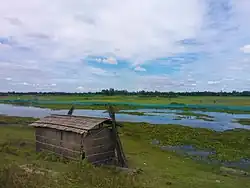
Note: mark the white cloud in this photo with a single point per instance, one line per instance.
(104, 28)
(246, 60)
(246, 49)
(25, 83)
(99, 60)
(4, 46)
(80, 88)
(20, 83)
(8, 78)
(213, 82)
(50, 43)
(97, 71)
(139, 68)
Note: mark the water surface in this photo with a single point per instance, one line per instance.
(204, 156)
(222, 121)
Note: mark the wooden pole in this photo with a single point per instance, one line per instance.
(120, 154)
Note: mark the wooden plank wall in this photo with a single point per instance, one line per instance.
(62, 143)
(46, 138)
(71, 141)
(99, 146)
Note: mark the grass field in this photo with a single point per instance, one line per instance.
(158, 168)
(135, 100)
(237, 101)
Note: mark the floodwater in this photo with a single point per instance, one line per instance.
(204, 156)
(221, 121)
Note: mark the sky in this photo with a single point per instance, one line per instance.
(89, 45)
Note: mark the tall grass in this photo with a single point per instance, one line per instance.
(78, 175)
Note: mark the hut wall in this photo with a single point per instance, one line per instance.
(63, 143)
(47, 139)
(99, 146)
(72, 142)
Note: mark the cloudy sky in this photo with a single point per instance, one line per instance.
(88, 45)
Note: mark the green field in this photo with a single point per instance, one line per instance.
(157, 168)
(237, 101)
(134, 101)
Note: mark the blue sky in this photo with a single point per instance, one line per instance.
(88, 45)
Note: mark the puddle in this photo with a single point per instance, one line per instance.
(188, 150)
(203, 156)
(222, 121)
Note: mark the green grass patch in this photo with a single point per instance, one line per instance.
(158, 168)
(206, 100)
(204, 117)
(132, 113)
(11, 120)
(229, 145)
(211, 110)
(243, 121)
(215, 100)
(77, 175)
(68, 106)
(189, 113)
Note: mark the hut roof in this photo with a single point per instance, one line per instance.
(78, 124)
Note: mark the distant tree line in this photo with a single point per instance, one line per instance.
(113, 92)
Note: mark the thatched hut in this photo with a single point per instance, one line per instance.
(76, 137)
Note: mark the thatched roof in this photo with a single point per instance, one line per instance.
(78, 124)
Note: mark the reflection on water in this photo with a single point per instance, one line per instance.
(222, 121)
